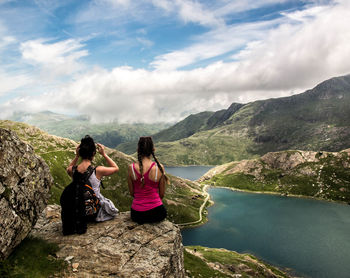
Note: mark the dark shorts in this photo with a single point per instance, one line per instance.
(149, 216)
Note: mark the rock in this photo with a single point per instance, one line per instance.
(25, 182)
(117, 248)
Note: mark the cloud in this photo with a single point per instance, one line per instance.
(261, 60)
(190, 11)
(57, 59)
(12, 81)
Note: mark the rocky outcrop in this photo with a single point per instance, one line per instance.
(323, 175)
(25, 182)
(116, 248)
(284, 161)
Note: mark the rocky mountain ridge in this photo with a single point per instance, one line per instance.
(322, 175)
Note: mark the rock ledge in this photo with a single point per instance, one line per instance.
(116, 248)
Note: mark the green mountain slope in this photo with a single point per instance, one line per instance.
(183, 198)
(109, 134)
(190, 125)
(324, 175)
(318, 119)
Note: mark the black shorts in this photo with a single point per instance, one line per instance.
(149, 216)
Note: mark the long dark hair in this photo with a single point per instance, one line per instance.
(87, 148)
(145, 148)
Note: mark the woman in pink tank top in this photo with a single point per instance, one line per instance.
(146, 180)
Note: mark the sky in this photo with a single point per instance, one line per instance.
(161, 60)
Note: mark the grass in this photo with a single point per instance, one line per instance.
(195, 267)
(32, 258)
(230, 262)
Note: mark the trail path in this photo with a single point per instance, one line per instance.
(204, 190)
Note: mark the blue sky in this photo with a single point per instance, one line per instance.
(160, 60)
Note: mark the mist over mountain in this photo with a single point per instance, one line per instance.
(75, 127)
(318, 119)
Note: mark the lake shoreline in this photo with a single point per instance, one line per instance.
(211, 202)
(282, 194)
(291, 269)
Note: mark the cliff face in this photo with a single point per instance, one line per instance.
(116, 248)
(25, 182)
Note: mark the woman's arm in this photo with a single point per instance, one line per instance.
(102, 170)
(73, 162)
(130, 184)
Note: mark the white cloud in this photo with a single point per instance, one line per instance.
(57, 59)
(278, 57)
(12, 81)
(190, 11)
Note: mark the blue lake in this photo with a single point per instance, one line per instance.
(188, 172)
(311, 237)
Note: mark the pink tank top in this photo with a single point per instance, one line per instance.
(146, 197)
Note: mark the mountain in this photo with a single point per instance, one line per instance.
(322, 175)
(75, 127)
(318, 119)
(190, 125)
(183, 198)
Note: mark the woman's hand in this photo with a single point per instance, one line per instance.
(101, 149)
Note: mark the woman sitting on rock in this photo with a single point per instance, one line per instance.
(87, 150)
(146, 180)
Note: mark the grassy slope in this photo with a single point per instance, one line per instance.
(326, 177)
(33, 258)
(212, 262)
(58, 152)
(182, 129)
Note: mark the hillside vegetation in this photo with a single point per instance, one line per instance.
(213, 262)
(183, 198)
(324, 175)
(318, 119)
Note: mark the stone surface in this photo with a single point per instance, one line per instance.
(25, 182)
(116, 248)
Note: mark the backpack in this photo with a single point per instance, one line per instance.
(79, 203)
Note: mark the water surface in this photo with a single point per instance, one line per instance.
(312, 237)
(189, 172)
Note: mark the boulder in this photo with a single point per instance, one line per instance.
(116, 248)
(25, 182)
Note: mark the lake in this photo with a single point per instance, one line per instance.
(309, 236)
(189, 172)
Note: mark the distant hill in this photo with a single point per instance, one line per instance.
(190, 125)
(75, 127)
(318, 119)
(322, 175)
(182, 198)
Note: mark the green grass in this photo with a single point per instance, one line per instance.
(195, 267)
(229, 261)
(32, 258)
